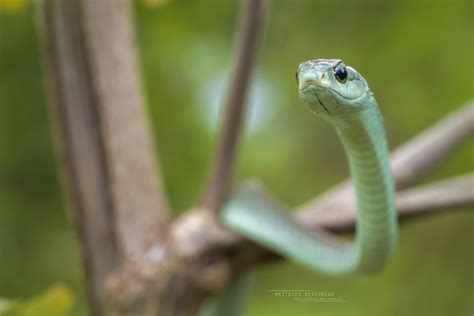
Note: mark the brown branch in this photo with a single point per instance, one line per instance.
(408, 162)
(139, 205)
(103, 137)
(79, 145)
(248, 35)
(421, 153)
(443, 195)
(457, 192)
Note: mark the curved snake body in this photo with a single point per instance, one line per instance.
(341, 96)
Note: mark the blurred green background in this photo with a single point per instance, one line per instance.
(417, 57)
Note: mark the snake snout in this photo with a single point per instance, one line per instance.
(315, 79)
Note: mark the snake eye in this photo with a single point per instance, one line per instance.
(340, 72)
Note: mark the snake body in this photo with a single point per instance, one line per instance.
(340, 95)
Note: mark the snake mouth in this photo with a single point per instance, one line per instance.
(322, 104)
(311, 84)
(333, 92)
(344, 97)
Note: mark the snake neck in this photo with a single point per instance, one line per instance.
(364, 141)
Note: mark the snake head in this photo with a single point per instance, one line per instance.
(331, 89)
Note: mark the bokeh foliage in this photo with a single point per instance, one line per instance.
(416, 56)
(54, 301)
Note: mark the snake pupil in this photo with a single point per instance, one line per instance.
(340, 73)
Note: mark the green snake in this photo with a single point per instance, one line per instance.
(338, 94)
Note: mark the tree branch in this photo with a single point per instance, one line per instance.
(79, 145)
(139, 205)
(421, 153)
(408, 162)
(248, 34)
(103, 136)
(457, 192)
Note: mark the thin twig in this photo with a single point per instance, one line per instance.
(249, 32)
(408, 162)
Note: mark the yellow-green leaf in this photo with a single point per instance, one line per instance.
(55, 301)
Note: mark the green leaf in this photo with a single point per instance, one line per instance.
(56, 301)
